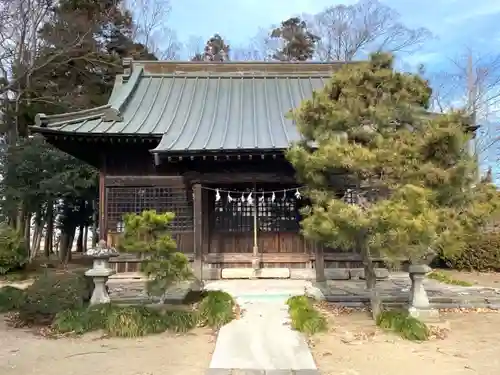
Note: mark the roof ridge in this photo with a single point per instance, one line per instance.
(109, 112)
(240, 74)
(106, 112)
(276, 67)
(121, 100)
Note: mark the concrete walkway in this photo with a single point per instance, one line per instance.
(261, 342)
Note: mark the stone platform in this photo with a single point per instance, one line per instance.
(132, 291)
(395, 291)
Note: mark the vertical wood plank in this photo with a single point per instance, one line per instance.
(198, 231)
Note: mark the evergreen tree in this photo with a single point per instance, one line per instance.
(83, 77)
(413, 183)
(215, 49)
(299, 42)
(80, 50)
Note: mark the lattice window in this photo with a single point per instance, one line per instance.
(123, 200)
(273, 215)
(234, 216)
(278, 215)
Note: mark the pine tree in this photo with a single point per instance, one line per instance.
(215, 50)
(147, 234)
(299, 42)
(83, 43)
(413, 183)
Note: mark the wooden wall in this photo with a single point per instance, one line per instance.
(219, 249)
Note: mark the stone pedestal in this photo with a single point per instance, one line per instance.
(100, 272)
(420, 307)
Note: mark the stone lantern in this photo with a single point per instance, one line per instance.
(420, 307)
(100, 271)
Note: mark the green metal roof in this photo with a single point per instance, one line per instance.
(195, 107)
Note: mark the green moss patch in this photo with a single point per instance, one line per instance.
(305, 317)
(403, 324)
(445, 279)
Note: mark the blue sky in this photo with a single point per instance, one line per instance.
(455, 24)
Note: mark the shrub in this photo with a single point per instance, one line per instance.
(134, 321)
(403, 324)
(181, 321)
(305, 318)
(52, 293)
(11, 298)
(481, 254)
(123, 321)
(13, 254)
(217, 309)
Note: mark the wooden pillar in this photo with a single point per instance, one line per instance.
(102, 207)
(198, 231)
(319, 263)
(205, 219)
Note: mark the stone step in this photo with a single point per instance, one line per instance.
(249, 273)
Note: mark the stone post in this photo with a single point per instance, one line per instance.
(420, 307)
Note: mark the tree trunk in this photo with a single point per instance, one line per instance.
(65, 244)
(69, 253)
(37, 238)
(371, 280)
(79, 241)
(49, 234)
(27, 235)
(38, 243)
(85, 238)
(20, 220)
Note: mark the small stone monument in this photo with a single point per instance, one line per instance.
(100, 271)
(420, 307)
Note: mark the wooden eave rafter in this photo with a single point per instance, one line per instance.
(243, 155)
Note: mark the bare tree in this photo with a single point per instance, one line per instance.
(348, 31)
(261, 47)
(194, 46)
(473, 79)
(150, 21)
(20, 21)
(472, 82)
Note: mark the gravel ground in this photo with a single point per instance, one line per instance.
(355, 347)
(23, 353)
